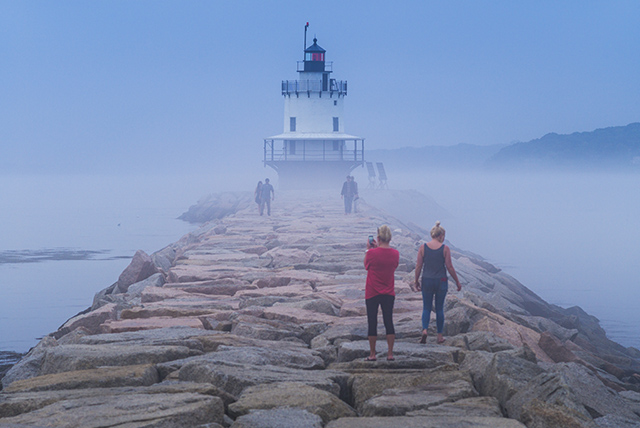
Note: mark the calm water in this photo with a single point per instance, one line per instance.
(114, 216)
(571, 238)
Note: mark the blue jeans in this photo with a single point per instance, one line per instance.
(433, 287)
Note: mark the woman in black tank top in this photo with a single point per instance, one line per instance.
(434, 260)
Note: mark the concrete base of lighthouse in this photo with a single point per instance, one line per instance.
(313, 175)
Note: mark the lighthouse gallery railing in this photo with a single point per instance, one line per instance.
(306, 86)
(350, 150)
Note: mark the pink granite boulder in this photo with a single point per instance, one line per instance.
(140, 268)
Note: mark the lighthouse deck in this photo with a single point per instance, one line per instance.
(313, 150)
(297, 87)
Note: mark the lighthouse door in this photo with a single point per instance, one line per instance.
(325, 82)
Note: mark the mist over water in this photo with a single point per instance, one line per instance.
(572, 238)
(106, 218)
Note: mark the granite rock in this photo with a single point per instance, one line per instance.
(92, 320)
(400, 401)
(425, 422)
(65, 358)
(234, 378)
(29, 365)
(101, 377)
(140, 268)
(505, 375)
(292, 395)
(155, 280)
(278, 418)
(568, 390)
(142, 410)
(474, 406)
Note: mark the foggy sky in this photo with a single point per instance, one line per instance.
(120, 85)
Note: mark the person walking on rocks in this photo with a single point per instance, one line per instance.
(354, 186)
(434, 260)
(380, 261)
(349, 191)
(257, 194)
(268, 195)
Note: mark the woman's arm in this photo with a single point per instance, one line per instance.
(449, 265)
(369, 246)
(419, 267)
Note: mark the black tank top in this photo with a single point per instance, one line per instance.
(433, 263)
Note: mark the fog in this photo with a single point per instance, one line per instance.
(571, 237)
(117, 116)
(124, 86)
(65, 237)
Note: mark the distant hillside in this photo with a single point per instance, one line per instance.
(615, 147)
(458, 156)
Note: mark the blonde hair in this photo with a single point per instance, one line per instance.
(437, 230)
(384, 233)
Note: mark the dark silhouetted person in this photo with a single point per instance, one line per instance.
(268, 195)
(257, 194)
(349, 191)
(354, 186)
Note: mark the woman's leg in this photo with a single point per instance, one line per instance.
(372, 321)
(427, 303)
(441, 294)
(386, 303)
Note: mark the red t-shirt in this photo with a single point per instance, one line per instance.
(381, 264)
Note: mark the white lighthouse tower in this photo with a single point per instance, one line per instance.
(313, 150)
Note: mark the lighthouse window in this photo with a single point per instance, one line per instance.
(292, 124)
(336, 124)
(335, 103)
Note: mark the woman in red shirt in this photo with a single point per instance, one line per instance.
(381, 262)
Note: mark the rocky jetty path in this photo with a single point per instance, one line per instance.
(260, 322)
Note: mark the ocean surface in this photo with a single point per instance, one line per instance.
(571, 238)
(64, 238)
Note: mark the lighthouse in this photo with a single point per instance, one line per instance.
(313, 151)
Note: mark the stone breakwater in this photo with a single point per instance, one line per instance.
(260, 322)
(8, 360)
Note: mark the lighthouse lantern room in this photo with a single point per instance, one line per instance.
(313, 150)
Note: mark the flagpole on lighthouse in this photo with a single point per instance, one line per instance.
(305, 39)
